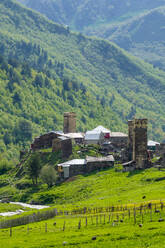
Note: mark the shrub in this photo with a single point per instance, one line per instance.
(48, 175)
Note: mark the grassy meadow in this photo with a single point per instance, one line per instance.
(105, 188)
(107, 230)
(114, 208)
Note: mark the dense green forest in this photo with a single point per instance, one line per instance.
(45, 69)
(136, 27)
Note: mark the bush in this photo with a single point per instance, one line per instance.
(48, 175)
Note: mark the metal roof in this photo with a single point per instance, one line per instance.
(92, 135)
(100, 159)
(63, 137)
(73, 162)
(101, 129)
(118, 134)
(74, 135)
(152, 143)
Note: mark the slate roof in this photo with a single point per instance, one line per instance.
(100, 159)
(73, 162)
(101, 129)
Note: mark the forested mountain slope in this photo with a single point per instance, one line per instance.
(59, 71)
(82, 13)
(133, 25)
(142, 35)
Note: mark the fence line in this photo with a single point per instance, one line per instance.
(113, 219)
(124, 210)
(35, 217)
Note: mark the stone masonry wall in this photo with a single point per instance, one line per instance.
(69, 122)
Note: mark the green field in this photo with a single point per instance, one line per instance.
(108, 204)
(110, 230)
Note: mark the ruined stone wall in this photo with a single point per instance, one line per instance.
(69, 122)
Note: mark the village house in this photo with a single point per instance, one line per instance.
(152, 145)
(119, 139)
(44, 141)
(97, 136)
(81, 166)
(93, 138)
(78, 138)
(62, 144)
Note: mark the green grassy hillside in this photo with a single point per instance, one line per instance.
(99, 189)
(55, 70)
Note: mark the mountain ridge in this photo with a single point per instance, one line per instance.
(133, 21)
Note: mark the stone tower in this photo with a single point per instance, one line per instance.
(130, 139)
(137, 144)
(69, 122)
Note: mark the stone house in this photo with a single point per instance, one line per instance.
(44, 141)
(152, 145)
(71, 168)
(93, 138)
(77, 137)
(81, 166)
(119, 139)
(62, 144)
(98, 163)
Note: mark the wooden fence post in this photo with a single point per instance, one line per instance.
(92, 219)
(142, 218)
(151, 214)
(64, 226)
(10, 231)
(100, 218)
(86, 221)
(134, 216)
(79, 224)
(129, 213)
(109, 218)
(97, 220)
(46, 227)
